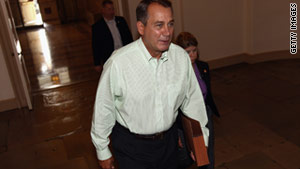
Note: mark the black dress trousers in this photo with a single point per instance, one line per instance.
(134, 152)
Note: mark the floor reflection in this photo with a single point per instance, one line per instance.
(39, 49)
(58, 55)
(44, 46)
(58, 77)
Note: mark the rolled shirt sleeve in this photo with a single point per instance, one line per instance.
(104, 111)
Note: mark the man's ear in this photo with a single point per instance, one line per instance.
(140, 27)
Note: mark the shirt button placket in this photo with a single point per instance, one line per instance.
(159, 94)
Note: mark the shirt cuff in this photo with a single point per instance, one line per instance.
(205, 133)
(206, 140)
(103, 154)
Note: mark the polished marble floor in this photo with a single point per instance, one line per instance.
(259, 104)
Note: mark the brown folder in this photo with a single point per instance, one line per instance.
(195, 141)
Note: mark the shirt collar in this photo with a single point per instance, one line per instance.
(108, 21)
(164, 55)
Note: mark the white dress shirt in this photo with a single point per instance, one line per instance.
(143, 93)
(114, 32)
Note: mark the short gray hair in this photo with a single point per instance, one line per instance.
(142, 9)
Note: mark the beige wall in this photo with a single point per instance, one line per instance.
(227, 28)
(132, 4)
(7, 92)
(210, 21)
(218, 26)
(270, 25)
(178, 16)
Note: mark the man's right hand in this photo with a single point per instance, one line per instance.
(192, 156)
(107, 164)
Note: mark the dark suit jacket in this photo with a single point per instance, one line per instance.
(205, 75)
(102, 40)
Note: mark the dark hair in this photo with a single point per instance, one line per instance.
(105, 2)
(186, 39)
(142, 9)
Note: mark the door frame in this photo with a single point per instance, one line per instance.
(14, 60)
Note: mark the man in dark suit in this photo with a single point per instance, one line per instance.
(108, 34)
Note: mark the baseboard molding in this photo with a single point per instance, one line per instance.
(8, 105)
(269, 56)
(251, 59)
(227, 61)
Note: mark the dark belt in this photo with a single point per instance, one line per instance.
(156, 136)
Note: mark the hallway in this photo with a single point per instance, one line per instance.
(259, 104)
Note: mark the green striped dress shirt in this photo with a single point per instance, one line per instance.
(143, 93)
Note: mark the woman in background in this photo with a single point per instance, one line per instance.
(188, 42)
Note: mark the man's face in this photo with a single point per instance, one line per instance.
(108, 11)
(157, 33)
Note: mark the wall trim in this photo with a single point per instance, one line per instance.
(227, 61)
(269, 56)
(8, 104)
(251, 59)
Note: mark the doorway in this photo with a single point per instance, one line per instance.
(26, 13)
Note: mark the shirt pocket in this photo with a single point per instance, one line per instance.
(175, 94)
